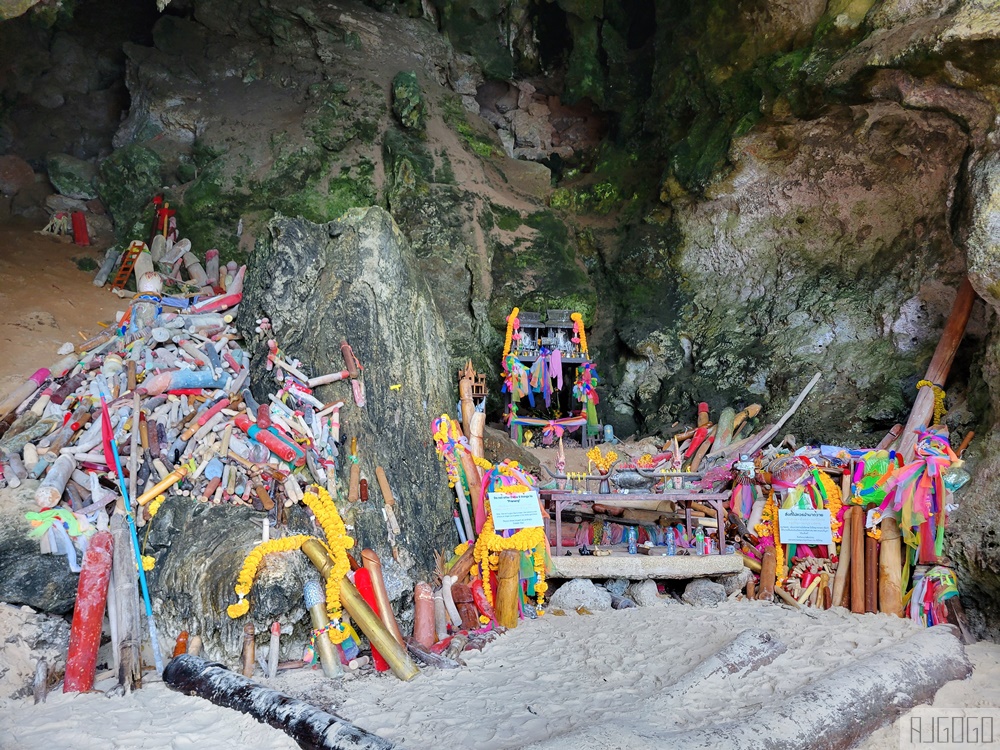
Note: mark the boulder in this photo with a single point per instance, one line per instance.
(645, 594)
(199, 550)
(43, 582)
(356, 279)
(702, 592)
(72, 177)
(736, 581)
(616, 586)
(15, 174)
(580, 592)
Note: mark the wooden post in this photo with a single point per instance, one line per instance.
(842, 577)
(890, 594)
(508, 572)
(767, 572)
(858, 560)
(937, 370)
(125, 581)
(871, 574)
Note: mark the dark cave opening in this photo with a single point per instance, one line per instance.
(552, 31)
(62, 86)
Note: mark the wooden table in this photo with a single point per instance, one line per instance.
(562, 498)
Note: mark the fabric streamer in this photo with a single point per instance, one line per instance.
(916, 491)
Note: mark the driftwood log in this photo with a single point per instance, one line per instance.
(312, 728)
(843, 707)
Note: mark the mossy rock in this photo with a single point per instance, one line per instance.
(127, 181)
(464, 22)
(408, 103)
(72, 177)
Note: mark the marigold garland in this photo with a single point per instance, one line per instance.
(448, 441)
(337, 543)
(489, 545)
(834, 503)
(939, 408)
(511, 319)
(769, 527)
(581, 331)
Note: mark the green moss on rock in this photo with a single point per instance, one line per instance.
(408, 101)
(127, 181)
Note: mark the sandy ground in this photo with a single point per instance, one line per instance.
(45, 300)
(558, 682)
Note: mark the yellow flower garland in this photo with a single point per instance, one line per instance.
(578, 318)
(939, 407)
(489, 545)
(337, 544)
(834, 503)
(510, 331)
(768, 526)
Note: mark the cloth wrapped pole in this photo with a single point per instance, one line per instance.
(309, 726)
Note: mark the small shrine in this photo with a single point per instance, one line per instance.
(549, 380)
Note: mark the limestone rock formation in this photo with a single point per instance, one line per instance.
(356, 279)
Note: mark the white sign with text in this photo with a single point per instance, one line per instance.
(515, 510)
(805, 526)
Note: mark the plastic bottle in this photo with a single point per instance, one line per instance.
(699, 541)
(671, 543)
(633, 540)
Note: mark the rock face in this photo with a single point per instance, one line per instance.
(356, 279)
(43, 582)
(825, 250)
(199, 550)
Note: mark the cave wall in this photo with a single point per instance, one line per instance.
(782, 187)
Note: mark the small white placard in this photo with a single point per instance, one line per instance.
(805, 526)
(515, 510)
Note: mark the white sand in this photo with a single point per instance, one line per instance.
(555, 682)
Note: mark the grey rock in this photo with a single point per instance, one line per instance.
(72, 177)
(199, 550)
(580, 592)
(43, 582)
(56, 202)
(736, 582)
(364, 285)
(645, 594)
(616, 586)
(702, 592)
